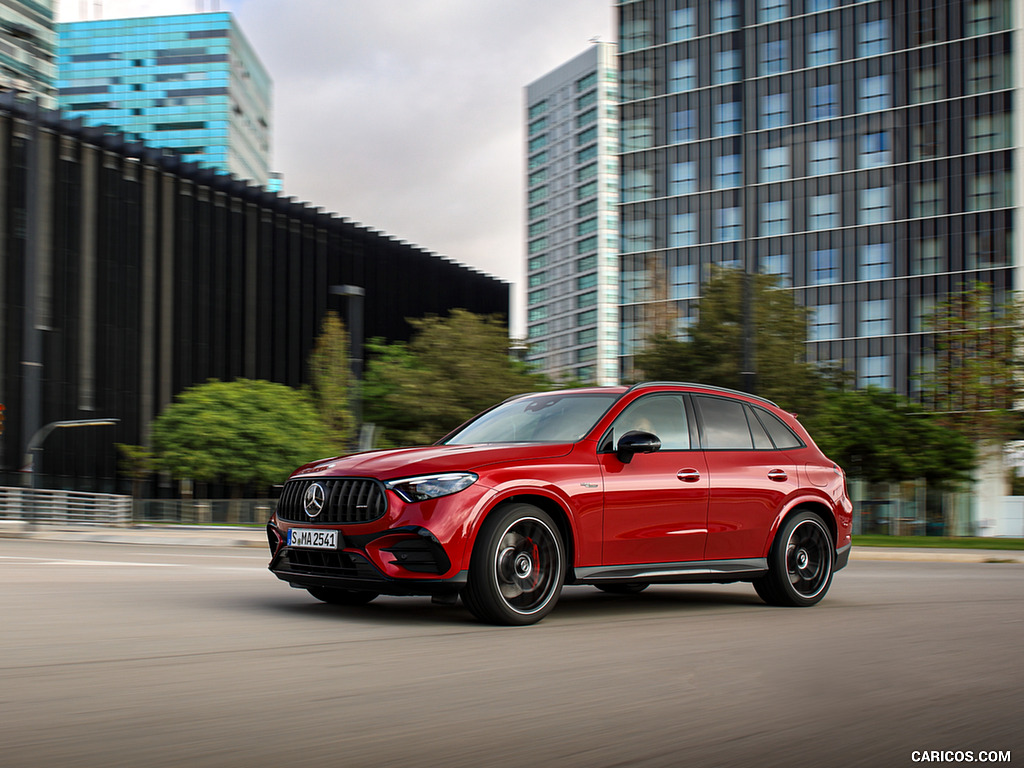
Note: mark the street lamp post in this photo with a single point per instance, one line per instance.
(355, 295)
(36, 443)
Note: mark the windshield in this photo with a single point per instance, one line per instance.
(561, 418)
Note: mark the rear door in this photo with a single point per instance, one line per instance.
(750, 478)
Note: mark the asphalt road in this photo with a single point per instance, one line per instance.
(117, 655)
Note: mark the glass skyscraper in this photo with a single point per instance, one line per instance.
(571, 221)
(28, 55)
(861, 150)
(191, 83)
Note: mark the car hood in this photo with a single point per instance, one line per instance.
(406, 462)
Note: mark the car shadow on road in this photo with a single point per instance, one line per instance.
(575, 603)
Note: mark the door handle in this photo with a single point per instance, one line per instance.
(688, 475)
(778, 475)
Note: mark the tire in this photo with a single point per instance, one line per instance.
(801, 563)
(517, 568)
(626, 588)
(342, 596)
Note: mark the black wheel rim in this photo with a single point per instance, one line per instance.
(809, 558)
(527, 565)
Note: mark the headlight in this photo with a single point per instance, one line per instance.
(431, 486)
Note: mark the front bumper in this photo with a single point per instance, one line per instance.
(414, 560)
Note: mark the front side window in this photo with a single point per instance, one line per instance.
(661, 415)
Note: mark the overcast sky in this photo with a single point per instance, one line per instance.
(405, 115)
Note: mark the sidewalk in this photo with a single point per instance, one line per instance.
(210, 536)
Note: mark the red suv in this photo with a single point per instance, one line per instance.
(658, 483)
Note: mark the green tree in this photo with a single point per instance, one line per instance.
(453, 368)
(331, 382)
(713, 353)
(881, 436)
(240, 432)
(976, 380)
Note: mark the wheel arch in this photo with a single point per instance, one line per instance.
(815, 506)
(551, 506)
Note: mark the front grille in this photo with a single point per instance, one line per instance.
(346, 500)
(315, 562)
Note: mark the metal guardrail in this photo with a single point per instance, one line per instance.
(204, 511)
(43, 506)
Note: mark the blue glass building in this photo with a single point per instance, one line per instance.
(191, 83)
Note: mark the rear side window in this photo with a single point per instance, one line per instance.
(725, 424)
(783, 437)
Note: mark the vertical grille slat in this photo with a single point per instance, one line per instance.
(346, 500)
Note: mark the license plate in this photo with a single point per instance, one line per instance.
(311, 538)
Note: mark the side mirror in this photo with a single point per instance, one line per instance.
(634, 442)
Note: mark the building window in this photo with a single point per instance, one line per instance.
(587, 153)
(728, 224)
(537, 297)
(875, 371)
(683, 230)
(538, 278)
(922, 309)
(537, 143)
(928, 256)
(727, 171)
(774, 110)
(683, 126)
(987, 249)
(875, 318)
(637, 235)
(682, 24)
(823, 212)
(874, 150)
(537, 313)
(586, 300)
(822, 48)
(986, 16)
(927, 199)
(774, 218)
(637, 133)
(926, 141)
(925, 85)
(824, 322)
(587, 190)
(873, 205)
(988, 190)
(987, 132)
(637, 83)
(541, 329)
(682, 178)
(685, 282)
(727, 68)
(586, 227)
(726, 16)
(824, 102)
(824, 267)
(988, 73)
(777, 264)
(634, 34)
(874, 261)
(727, 118)
(771, 10)
(637, 184)
(873, 38)
(537, 228)
(537, 194)
(774, 57)
(682, 75)
(873, 93)
(823, 157)
(583, 282)
(813, 6)
(774, 163)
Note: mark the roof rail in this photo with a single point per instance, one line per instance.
(726, 390)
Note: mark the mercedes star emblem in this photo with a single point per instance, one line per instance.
(313, 500)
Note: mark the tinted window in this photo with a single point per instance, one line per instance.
(761, 440)
(781, 435)
(536, 419)
(662, 415)
(725, 424)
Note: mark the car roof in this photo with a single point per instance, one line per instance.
(621, 389)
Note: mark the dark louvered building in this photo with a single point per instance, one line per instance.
(127, 275)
